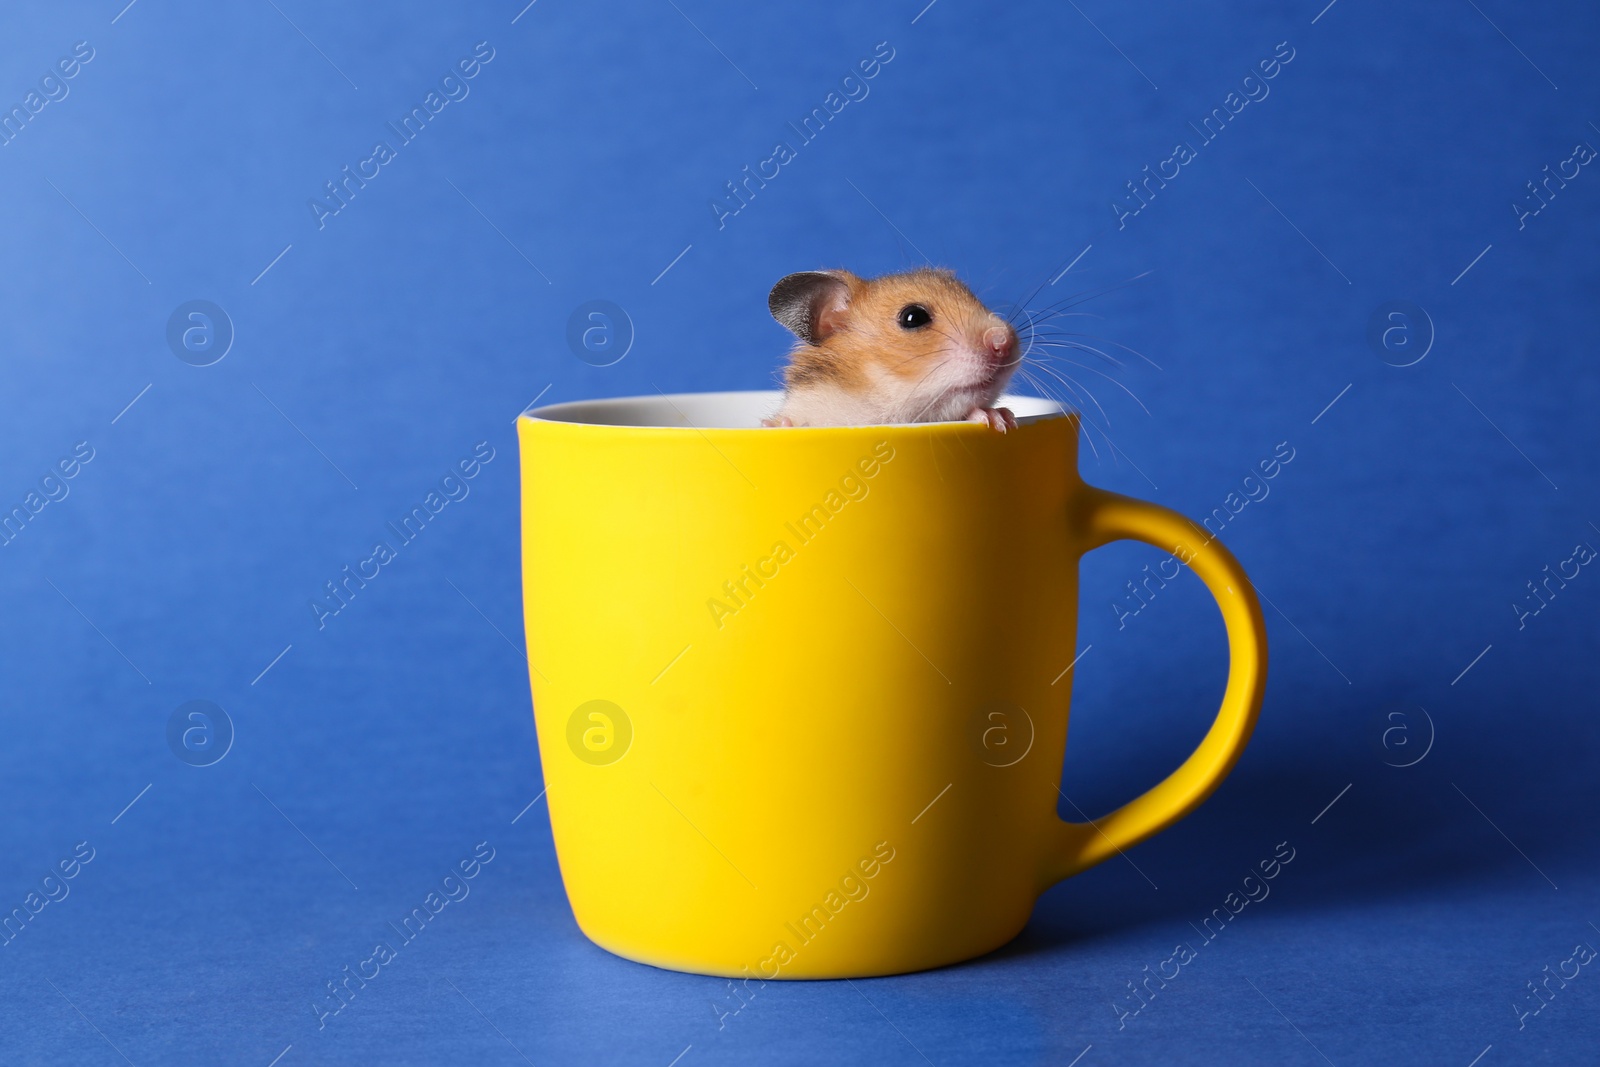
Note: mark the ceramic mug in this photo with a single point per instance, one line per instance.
(801, 694)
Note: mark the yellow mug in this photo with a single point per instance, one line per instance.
(801, 694)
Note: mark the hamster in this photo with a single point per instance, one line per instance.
(911, 347)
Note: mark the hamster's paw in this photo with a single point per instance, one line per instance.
(777, 420)
(998, 419)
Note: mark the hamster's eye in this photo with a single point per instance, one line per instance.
(914, 317)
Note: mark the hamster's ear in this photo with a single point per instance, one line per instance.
(811, 303)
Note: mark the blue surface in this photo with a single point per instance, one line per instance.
(378, 348)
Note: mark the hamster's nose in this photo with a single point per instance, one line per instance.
(999, 340)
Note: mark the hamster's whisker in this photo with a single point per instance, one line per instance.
(1044, 389)
(1022, 306)
(1107, 377)
(1079, 346)
(1040, 331)
(1033, 383)
(1074, 299)
(1057, 333)
(1054, 339)
(1073, 405)
(1050, 279)
(1088, 425)
(1061, 307)
(1073, 386)
(1047, 318)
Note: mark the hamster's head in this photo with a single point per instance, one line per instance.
(920, 339)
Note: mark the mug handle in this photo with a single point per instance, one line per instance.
(1107, 517)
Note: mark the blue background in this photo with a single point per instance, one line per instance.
(377, 350)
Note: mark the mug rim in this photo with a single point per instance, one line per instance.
(716, 410)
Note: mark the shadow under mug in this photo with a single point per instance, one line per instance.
(794, 720)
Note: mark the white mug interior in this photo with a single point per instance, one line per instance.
(733, 411)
